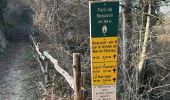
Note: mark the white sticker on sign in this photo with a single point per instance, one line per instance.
(104, 92)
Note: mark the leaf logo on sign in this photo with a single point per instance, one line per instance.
(104, 29)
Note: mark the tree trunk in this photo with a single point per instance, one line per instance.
(126, 31)
(126, 36)
(144, 47)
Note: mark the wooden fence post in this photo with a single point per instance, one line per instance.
(47, 80)
(84, 92)
(83, 79)
(77, 76)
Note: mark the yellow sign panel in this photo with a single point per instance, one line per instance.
(104, 73)
(104, 61)
(104, 49)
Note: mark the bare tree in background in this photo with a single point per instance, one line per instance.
(142, 72)
(126, 36)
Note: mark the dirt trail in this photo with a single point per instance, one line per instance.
(12, 72)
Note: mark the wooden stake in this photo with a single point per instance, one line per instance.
(77, 76)
(83, 79)
(46, 72)
(84, 92)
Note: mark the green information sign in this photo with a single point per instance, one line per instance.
(104, 19)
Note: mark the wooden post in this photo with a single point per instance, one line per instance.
(77, 76)
(84, 92)
(47, 80)
(83, 79)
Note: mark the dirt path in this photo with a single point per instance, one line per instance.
(12, 73)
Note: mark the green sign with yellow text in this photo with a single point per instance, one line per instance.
(104, 19)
